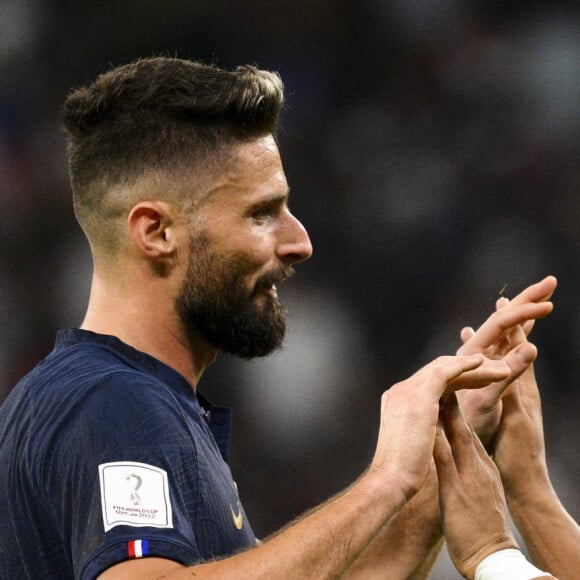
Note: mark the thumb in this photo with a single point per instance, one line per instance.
(466, 334)
(520, 358)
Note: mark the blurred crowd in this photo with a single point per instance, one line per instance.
(433, 152)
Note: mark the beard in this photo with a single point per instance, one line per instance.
(215, 302)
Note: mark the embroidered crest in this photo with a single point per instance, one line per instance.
(134, 494)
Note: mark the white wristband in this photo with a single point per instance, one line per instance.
(507, 565)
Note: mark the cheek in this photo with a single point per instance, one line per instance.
(261, 255)
(250, 264)
(254, 250)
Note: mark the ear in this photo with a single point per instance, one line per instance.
(152, 229)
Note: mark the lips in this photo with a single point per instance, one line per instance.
(268, 282)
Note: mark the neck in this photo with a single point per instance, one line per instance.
(145, 319)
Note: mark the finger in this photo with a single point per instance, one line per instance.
(500, 322)
(444, 461)
(539, 292)
(487, 335)
(449, 373)
(481, 452)
(501, 302)
(527, 326)
(503, 320)
(489, 371)
(459, 433)
(515, 335)
(466, 334)
(449, 367)
(518, 360)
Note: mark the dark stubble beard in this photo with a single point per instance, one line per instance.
(215, 302)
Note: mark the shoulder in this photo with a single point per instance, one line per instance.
(97, 377)
(91, 396)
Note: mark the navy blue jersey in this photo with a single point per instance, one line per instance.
(107, 454)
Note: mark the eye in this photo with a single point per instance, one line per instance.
(265, 212)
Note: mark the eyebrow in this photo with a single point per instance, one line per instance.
(275, 199)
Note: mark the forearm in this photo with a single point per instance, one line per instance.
(407, 546)
(551, 535)
(326, 542)
(322, 544)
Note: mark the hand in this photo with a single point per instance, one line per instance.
(409, 412)
(518, 449)
(504, 336)
(550, 533)
(473, 507)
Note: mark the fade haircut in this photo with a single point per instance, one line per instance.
(158, 115)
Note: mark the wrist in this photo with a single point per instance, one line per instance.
(385, 489)
(527, 481)
(424, 507)
(532, 493)
(504, 564)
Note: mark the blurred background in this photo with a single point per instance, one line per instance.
(433, 150)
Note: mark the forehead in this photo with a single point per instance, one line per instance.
(249, 171)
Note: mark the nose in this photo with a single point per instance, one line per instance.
(294, 242)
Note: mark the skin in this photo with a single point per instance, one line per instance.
(551, 535)
(408, 546)
(474, 511)
(469, 484)
(326, 542)
(246, 217)
(483, 408)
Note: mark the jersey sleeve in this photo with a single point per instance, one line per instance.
(122, 481)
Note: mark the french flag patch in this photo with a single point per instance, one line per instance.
(138, 548)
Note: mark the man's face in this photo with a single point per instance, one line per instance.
(242, 245)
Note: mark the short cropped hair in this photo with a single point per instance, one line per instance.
(159, 114)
